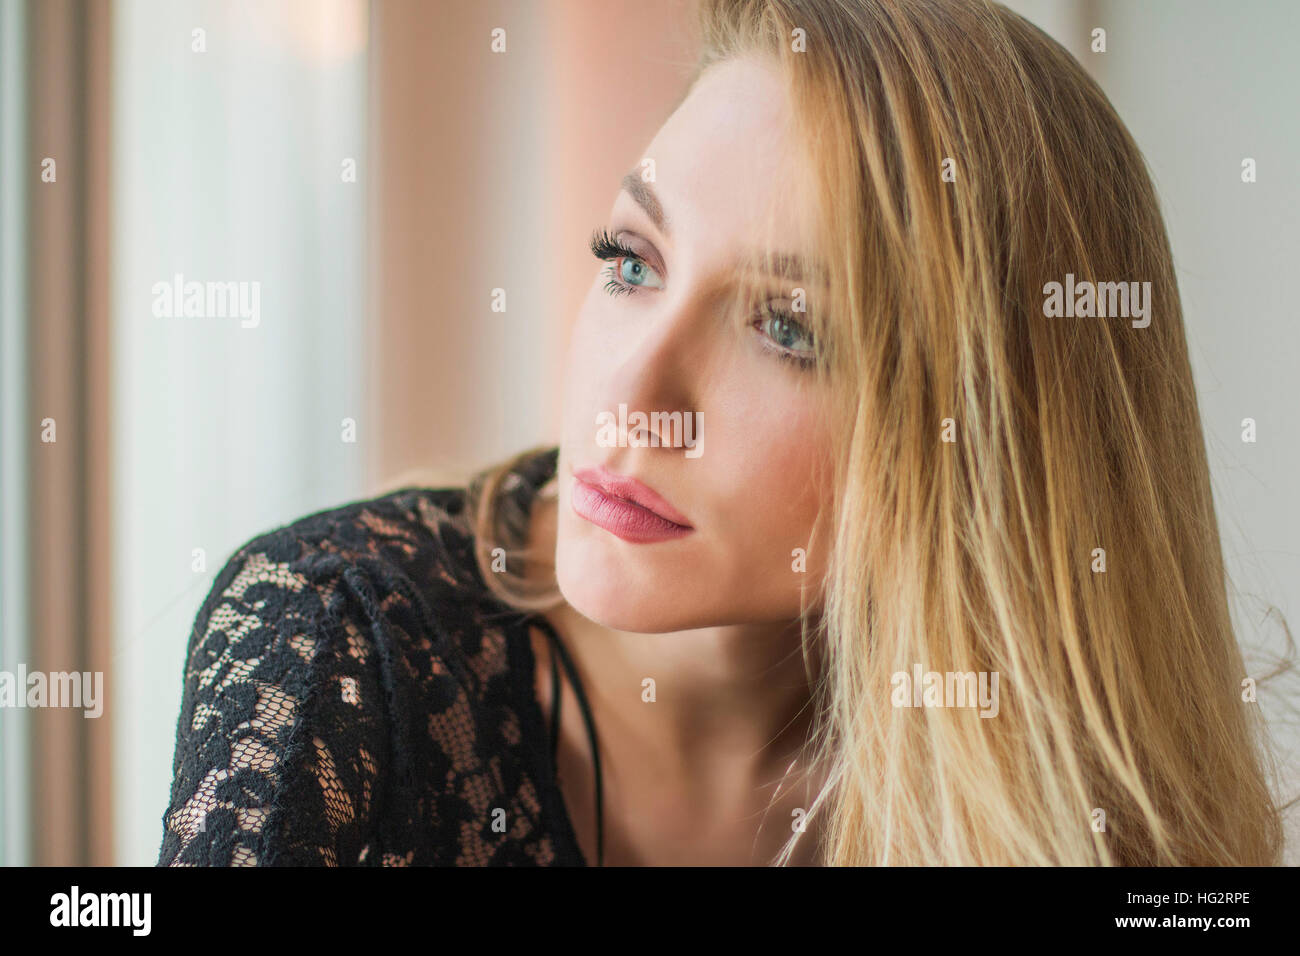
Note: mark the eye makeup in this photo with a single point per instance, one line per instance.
(607, 247)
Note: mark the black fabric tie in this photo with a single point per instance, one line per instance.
(560, 655)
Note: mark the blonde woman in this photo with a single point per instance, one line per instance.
(880, 530)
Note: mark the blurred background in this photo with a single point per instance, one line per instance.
(378, 169)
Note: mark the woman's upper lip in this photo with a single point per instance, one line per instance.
(630, 489)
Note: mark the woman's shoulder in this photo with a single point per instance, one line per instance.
(392, 527)
(320, 647)
(386, 557)
(418, 530)
(395, 573)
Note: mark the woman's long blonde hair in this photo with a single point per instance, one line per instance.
(1014, 493)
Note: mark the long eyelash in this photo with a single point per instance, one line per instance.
(615, 287)
(605, 246)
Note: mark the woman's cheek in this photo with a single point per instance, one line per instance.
(771, 494)
(595, 342)
(584, 374)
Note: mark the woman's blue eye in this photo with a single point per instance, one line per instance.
(628, 274)
(627, 271)
(634, 272)
(793, 338)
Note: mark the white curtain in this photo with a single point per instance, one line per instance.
(236, 129)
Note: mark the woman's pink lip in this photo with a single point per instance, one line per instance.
(628, 488)
(594, 498)
(622, 518)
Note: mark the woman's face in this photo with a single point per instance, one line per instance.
(667, 330)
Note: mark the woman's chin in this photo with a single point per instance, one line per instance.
(591, 586)
(598, 599)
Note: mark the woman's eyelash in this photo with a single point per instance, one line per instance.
(605, 246)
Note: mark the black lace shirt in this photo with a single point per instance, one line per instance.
(354, 695)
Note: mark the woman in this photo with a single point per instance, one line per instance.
(857, 548)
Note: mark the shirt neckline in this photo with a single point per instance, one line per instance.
(523, 666)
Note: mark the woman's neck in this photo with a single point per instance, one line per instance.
(727, 714)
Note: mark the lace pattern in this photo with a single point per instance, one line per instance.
(354, 695)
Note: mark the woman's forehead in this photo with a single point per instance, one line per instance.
(723, 167)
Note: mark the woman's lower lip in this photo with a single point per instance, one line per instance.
(622, 518)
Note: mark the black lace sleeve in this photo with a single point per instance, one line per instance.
(280, 743)
(354, 694)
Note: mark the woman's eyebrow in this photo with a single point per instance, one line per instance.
(787, 265)
(645, 197)
(781, 265)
